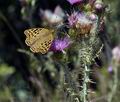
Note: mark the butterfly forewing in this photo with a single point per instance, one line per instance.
(32, 34)
(39, 39)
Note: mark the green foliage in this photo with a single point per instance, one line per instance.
(6, 70)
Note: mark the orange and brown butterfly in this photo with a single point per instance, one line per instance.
(39, 39)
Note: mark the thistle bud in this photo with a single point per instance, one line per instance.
(98, 5)
(116, 54)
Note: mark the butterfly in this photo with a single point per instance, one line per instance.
(39, 39)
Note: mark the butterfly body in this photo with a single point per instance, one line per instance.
(39, 39)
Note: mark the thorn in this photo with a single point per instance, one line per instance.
(92, 81)
(63, 52)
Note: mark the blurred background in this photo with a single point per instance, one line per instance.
(23, 76)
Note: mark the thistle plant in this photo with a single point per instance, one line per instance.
(84, 26)
(115, 64)
(59, 50)
(78, 43)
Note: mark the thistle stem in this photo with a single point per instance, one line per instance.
(85, 83)
(115, 83)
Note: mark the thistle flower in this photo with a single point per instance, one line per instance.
(116, 54)
(110, 69)
(98, 5)
(78, 18)
(60, 44)
(93, 17)
(82, 22)
(72, 19)
(83, 18)
(53, 17)
(74, 1)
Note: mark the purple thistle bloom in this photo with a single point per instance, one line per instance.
(74, 1)
(72, 19)
(60, 44)
(80, 18)
(110, 69)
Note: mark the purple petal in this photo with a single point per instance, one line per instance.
(110, 69)
(60, 44)
(74, 1)
(72, 19)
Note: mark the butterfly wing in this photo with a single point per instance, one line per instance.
(39, 39)
(42, 45)
(31, 35)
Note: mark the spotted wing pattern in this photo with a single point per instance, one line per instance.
(39, 39)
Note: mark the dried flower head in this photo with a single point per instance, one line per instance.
(83, 19)
(83, 24)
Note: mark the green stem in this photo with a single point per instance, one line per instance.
(115, 83)
(69, 80)
(85, 84)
